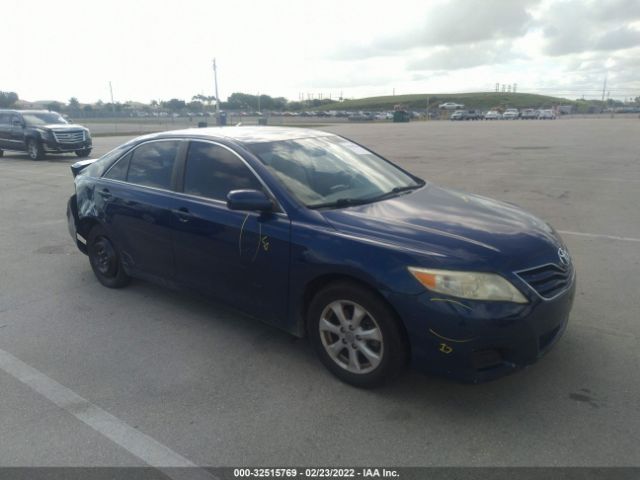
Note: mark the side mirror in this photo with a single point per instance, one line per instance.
(250, 200)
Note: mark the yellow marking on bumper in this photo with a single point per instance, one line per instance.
(450, 339)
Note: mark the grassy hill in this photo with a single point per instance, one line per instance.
(475, 100)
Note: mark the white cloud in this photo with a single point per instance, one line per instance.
(151, 49)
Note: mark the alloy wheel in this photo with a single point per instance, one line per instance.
(351, 336)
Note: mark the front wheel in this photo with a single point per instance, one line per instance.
(356, 335)
(105, 259)
(34, 149)
(83, 153)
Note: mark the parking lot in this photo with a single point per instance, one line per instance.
(200, 383)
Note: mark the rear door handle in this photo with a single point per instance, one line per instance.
(182, 213)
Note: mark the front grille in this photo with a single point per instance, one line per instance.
(547, 280)
(70, 136)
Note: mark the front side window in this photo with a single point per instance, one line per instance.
(213, 171)
(152, 164)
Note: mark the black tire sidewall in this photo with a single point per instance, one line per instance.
(40, 151)
(120, 279)
(395, 348)
(83, 153)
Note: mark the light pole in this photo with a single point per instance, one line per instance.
(215, 80)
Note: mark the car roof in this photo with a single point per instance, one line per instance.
(13, 110)
(245, 134)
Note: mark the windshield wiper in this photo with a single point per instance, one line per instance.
(394, 191)
(349, 202)
(339, 203)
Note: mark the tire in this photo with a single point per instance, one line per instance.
(364, 361)
(1, 153)
(34, 149)
(83, 153)
(105, 259)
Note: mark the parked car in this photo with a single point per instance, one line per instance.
(492, 115)
(546, 115)
(529, 114)
(473, 115)
(458, 115)
(511, 114)
(320, 236)
(38, 132)
(450, 106)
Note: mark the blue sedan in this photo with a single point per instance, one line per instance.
(321, 237)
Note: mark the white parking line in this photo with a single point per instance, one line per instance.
(135, 442)
(599, 235)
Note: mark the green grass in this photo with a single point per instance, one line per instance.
(475, 100)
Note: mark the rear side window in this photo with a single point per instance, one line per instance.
(213, 171)
(120, 169)
(152, 164)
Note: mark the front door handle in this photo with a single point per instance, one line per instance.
(105, 193)
(182, 213)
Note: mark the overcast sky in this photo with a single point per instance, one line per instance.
(162, 49)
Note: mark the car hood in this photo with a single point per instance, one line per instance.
(62, 127)
(455, 228)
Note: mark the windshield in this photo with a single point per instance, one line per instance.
(332, 171)
(44, 118)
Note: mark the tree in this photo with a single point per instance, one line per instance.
(174, 104)
(74, 104)
(8, 99)
(195, 106)
(54, 106)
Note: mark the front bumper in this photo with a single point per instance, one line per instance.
(480, 341)
(51, 146)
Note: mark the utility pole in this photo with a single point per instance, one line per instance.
(215, 80)
(604, 87)
(113, 106)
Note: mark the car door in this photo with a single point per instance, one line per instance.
(137, 203)
(5, 129)
(240, 257)
(16, 137)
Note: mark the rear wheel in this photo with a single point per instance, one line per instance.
(356, 335)
(105, 259)
(83, 153)
(1, 153)
(34, 149)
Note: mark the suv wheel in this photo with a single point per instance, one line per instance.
(356, 335)
(83, 153)
(105, 259)
(34, 149)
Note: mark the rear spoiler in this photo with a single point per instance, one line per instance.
(77, 167)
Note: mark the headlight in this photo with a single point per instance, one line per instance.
(44, 134)
(471, 285)
(87, 134)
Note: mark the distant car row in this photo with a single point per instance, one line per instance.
(509, 114)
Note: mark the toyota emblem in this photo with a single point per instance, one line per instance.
(564, 257)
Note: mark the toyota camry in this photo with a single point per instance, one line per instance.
(321, 237)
